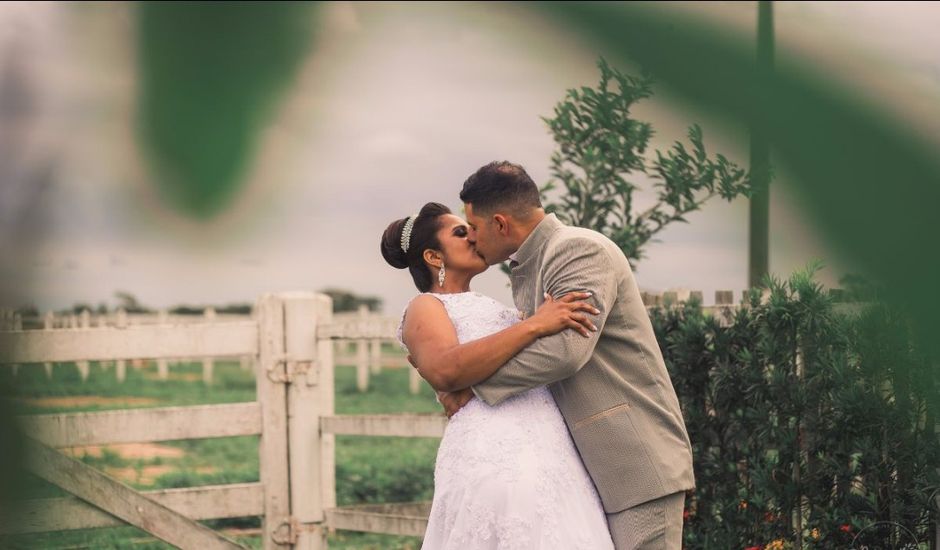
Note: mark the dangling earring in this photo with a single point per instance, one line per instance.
(440, 275)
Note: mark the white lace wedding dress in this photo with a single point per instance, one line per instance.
(509, 476)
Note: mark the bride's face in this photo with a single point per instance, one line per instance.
(459, 253)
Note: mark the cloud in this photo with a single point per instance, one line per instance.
(392, 143)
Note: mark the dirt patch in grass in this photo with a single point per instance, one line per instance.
(185, 376)
(127, 450)
(147, 475)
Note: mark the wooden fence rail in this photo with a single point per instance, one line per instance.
(110, 343)
(367, 356)
(200, 503)
(144, 425)
(121, 501)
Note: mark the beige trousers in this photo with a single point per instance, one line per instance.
(653, 525)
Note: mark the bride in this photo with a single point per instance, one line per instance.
(507, 476)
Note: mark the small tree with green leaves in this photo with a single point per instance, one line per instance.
(602, 150)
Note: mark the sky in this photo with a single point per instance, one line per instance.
(395, 106)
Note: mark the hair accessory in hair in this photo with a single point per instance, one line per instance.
(406, 232)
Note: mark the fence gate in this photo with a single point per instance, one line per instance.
(99, 500)
(291, 340)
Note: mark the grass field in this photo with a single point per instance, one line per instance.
(368, 469)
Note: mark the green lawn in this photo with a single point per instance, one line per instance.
(368, 469)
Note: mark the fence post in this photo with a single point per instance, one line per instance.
(272, 398)
(207, 362)
(303, 312)
(120, 366)
(245, 362)
(48, 323)
(362, 356)
(724, 302)
(414, 380)
(655, 300)
(163, 366)
(724, 297)
(375, 359)
(15, 323)
(327, 398)
(84, 320)
(103, 323)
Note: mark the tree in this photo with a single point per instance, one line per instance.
(601, 149)
(345, 300)
(79, 307)
(129, 303)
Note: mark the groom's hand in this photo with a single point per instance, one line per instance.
(454, 401)
(451, 401)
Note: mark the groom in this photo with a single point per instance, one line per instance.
(612, 388)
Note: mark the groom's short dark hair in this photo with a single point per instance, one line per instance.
(501, 185)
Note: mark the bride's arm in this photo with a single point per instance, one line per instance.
(449, 366)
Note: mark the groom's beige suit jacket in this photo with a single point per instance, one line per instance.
(612, 388)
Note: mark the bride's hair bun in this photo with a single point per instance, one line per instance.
(423, 236)
(391, 245)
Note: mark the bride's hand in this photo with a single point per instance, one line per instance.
(454, 401)
(554, 316)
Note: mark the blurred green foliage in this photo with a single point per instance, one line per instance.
(211, 75)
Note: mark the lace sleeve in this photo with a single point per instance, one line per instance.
(401, 326)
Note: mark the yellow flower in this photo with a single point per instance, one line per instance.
(814, 533)
(775, 545)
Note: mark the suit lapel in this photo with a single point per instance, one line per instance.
(524, 276)
(522, 291)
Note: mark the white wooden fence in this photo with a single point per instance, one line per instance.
(291, 341)
(365, 355)
(120, 319)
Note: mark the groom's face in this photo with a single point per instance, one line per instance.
(485, 237)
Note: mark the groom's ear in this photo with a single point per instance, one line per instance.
(501, 223)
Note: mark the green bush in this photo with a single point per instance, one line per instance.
(811, 422)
